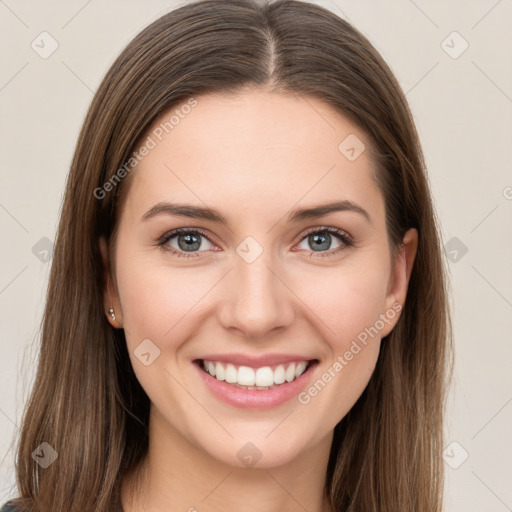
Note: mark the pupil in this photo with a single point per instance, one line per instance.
(189, 242)
(315, 238)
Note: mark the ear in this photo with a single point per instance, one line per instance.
(399, 281)
(110, 295)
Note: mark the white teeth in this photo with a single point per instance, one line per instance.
(300, 368)
(259, 378)
(279, 374)
(290, 373)
(220, 373)
(264, 376)
(231, 374)
(246, 376)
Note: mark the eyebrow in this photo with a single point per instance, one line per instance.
(211, 214)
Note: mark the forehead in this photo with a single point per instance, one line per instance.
(255, 148)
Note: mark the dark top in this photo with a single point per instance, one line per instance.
(7, 508)
(11, 508)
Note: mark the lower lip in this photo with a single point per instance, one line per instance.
(250, 399)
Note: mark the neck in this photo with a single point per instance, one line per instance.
(176, 475)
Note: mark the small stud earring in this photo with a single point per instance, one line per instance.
(112, 314)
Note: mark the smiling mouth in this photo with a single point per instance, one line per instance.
(256, 379)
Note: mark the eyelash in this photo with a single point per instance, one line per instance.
(342, 235)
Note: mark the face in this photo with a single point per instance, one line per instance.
(256, 285)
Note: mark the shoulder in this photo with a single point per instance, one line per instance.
(8, 508)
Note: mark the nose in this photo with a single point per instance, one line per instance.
(257, 299)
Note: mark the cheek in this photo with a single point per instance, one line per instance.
(156, 302)
(347, 300)
(160, 304)
(349, 305)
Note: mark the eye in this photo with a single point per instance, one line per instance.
(187, 240)
(321, 238)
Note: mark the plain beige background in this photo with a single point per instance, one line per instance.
(459, 87)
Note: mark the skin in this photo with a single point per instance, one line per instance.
(254, 157)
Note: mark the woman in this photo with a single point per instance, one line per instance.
(202, 349)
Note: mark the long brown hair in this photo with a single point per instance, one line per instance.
(86, 402)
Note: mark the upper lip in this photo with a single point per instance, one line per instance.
(255, 361)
